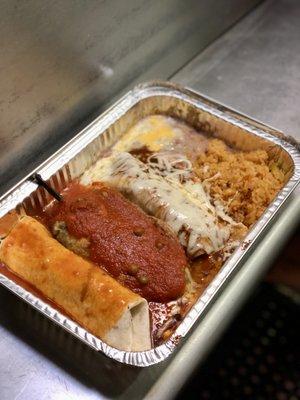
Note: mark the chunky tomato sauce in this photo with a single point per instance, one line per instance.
(118, 236)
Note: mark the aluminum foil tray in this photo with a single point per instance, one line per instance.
(86, 147)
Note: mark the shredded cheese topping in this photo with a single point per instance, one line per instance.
(183, 205)
(172, 165)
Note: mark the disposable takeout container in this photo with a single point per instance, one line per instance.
(86, 147)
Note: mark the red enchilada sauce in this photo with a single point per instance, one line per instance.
(121, 238)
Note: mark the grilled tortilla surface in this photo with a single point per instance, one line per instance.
(87, 293)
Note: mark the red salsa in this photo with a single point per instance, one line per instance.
(98, 223)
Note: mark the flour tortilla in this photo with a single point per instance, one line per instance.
(87, 293)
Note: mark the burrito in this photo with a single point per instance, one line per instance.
(201, 227)
(83, 290)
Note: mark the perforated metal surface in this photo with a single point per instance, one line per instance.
(258, 357)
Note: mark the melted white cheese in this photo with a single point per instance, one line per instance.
(185, 207)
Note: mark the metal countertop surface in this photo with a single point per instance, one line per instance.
(63, 61)
(253, 68)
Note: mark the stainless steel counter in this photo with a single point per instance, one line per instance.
(254, 68)
(62, 61)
